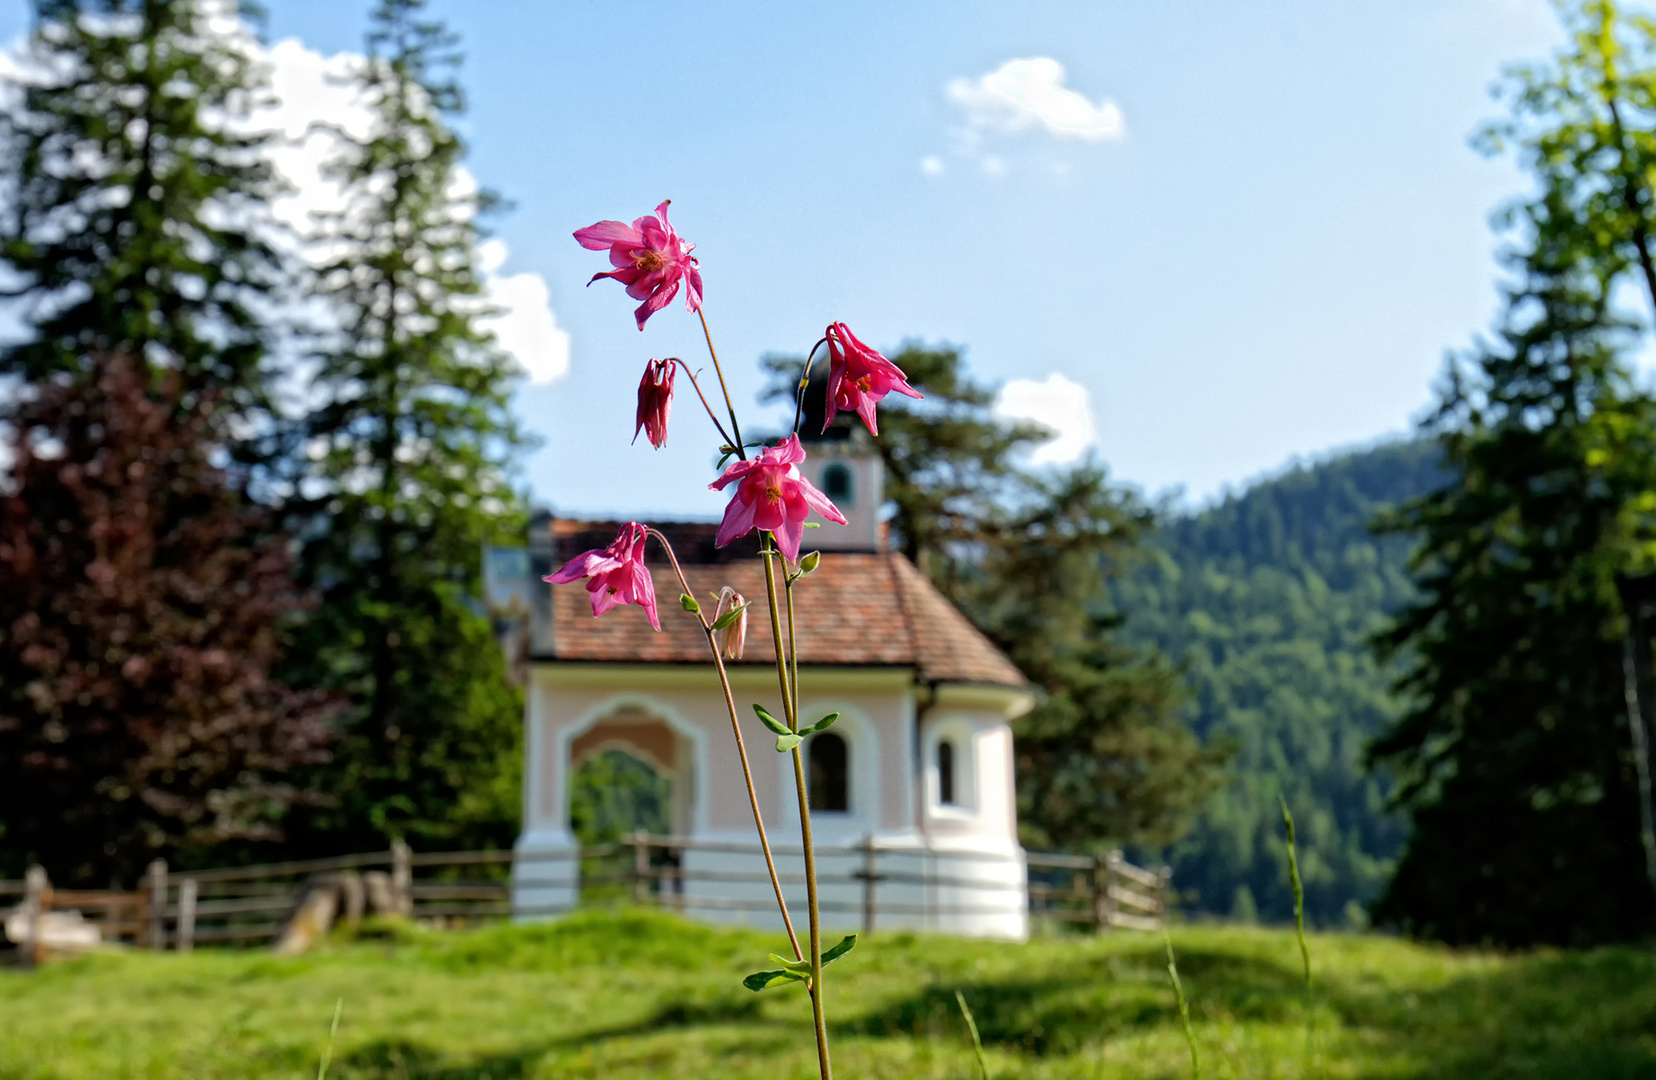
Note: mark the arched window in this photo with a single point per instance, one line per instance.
(946, 773)
(836, 483)
(829, 772)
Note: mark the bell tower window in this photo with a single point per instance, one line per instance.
(946, 773)
(836, 483)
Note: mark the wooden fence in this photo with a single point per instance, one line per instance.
(254, 904)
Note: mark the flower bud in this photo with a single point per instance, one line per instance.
(655, 401)
(733, 637)
(809, 562)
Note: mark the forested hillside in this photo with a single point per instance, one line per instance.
(1268, 600)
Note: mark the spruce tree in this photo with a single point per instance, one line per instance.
(411, 439)
(1514, 758)
(132, 220)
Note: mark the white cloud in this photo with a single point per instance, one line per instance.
(1029, 92)
(932, 165)
(316, 101)
(312, 99)
(526, 326)
(1056, 403)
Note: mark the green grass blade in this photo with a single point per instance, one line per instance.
(1184, 1008)
(1299, 931)
(977, 1043)
(327, 1051)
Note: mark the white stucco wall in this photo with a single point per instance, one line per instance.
(970, 847)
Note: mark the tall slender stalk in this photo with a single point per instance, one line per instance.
(1299, 931)
(741, 745)
(790, 708)
(1184, 1007)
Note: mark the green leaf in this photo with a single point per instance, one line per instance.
(796, 970)
(787, 742)
(847, 943)
(770, 721)
(688, 603)
(731, 616)
(764, 980)
(798, 967)
(821, 725)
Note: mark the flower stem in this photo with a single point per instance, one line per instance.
(793, 638)
(741, 748)
(804, 381)
(723, 434)
(735, 426)
(791, 711)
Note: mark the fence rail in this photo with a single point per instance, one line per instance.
(281, 903)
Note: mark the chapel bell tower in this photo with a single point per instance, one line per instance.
(845, 465)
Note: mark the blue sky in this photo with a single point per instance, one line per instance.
(1269, 261)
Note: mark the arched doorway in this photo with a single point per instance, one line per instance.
(628, 772)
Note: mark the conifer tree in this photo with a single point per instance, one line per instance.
(132, 216)
(1514, 759)
(411, 442)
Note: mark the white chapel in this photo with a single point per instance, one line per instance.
(920, 762)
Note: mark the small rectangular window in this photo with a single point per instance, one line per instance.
(946, 773)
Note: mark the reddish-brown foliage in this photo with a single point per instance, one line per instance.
(141, 608)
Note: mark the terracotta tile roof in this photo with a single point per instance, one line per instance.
(858, 608)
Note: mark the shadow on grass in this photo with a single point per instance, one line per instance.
(387, 1059)
(1071, 1006)
(1544, 1016)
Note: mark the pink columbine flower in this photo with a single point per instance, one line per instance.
(650, 259)
(655, 402)
(772, 494)
(858, 377)
(616, 574)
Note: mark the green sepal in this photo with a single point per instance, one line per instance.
(770, 721)
(764, 980)
(821, 725)
(730, 616)
(787, 742)
(815, 524)
(688, 603)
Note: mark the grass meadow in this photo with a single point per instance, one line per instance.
(633, 993)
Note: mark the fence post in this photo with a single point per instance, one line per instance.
(402, 877)
(34, 902)
(1102, 908)
(641, 866)
(187, 891)
(871, 877)
(157, 937)
(1164, 893)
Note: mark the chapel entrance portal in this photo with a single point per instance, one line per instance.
(629, 772)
